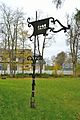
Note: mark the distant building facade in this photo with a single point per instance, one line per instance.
(18, 63)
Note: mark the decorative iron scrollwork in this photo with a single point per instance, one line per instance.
(41, 26)
(62, 26)
(30, 58)
(37, 57)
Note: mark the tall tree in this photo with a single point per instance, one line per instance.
(23, 34)
(7, 18)
(74, 39)
(10, 23)
(46, 42)
(60, 59)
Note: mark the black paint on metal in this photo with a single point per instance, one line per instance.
(41, 27)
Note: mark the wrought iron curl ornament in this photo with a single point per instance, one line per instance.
(29, 25)
(42, 26)
(62, 26)
(37, 57)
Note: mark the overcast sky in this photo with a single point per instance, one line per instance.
(47, 8)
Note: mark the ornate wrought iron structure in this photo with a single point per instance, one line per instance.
(41, 27)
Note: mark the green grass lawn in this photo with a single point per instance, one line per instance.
(56, 99)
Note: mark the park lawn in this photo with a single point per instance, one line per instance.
(56, 99)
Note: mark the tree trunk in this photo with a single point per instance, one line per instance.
(74, 69)
(41, 66)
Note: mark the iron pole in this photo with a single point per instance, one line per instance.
(32, 102)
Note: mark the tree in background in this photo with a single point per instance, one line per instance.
(60, 59)
(58, 3)
(73, 35)
(73, 40)
(10, 23)
(46, 43)
(23, 35)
